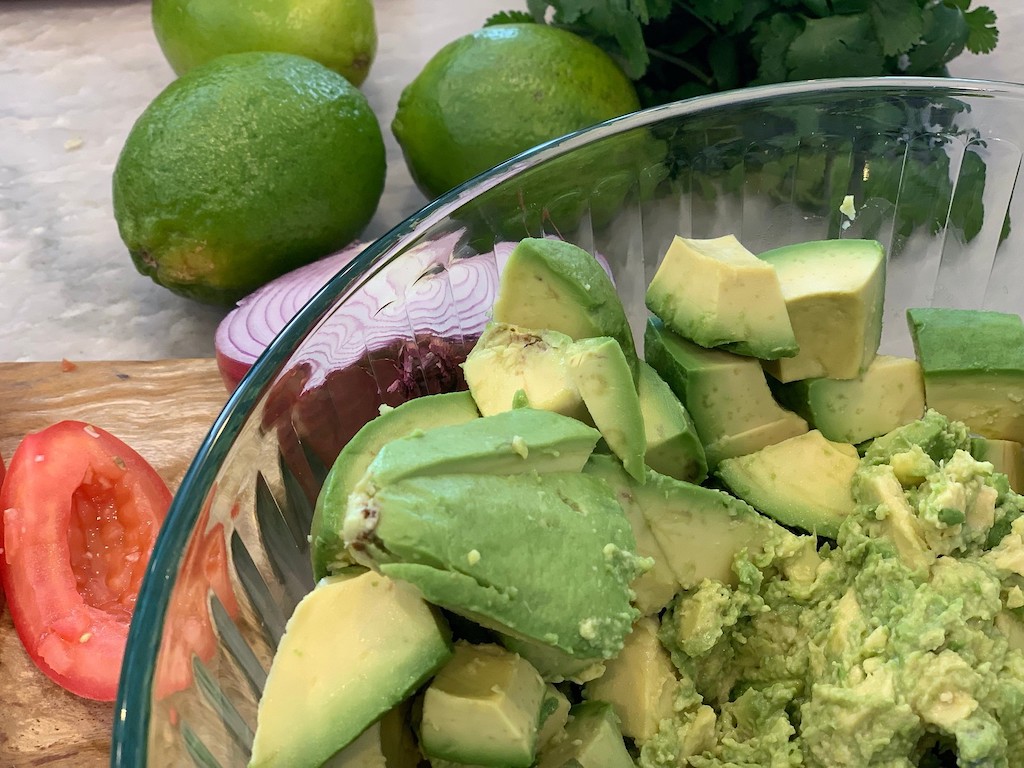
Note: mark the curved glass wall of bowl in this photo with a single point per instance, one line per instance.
(931, 166)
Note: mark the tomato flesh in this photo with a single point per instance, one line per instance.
(80, 513)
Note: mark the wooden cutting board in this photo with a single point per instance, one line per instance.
(163, 410)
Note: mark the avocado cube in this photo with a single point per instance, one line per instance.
(601, 374)
(654, 588)
(716, 293)
(640, 683)
(591, 739)
(672, 445)
(327, 548)
(555, 285)
(510, 364)
(1006, 456)
(327, 684)
(388, 743)
(554, 714)
(483, 708)
(834, 292)
(973, 363)
(701, 530)
(889, 394)
(726, 395)
(804, 481)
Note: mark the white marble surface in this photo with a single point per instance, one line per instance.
(73, 78)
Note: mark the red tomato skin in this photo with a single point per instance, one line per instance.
(75, 644)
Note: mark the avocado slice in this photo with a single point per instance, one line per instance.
(701, 530)
(889, 394)
(726, 395)
(804, 481)
(973, 363)
(600, 372)
(326, 544)
(834, 291)
(387, 743)
(591, 739)
(555, 285)
(453, 537)
(716, 293)
(512, 442)
(1005, 456)
(673, 447)
(640, 683)
(510, 365)
(655, 587)
(327, 684)
(483, 708)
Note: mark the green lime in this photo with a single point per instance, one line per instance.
(244, 169)
(496, 92)
(340, 34)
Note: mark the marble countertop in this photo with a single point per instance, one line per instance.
(73, 78)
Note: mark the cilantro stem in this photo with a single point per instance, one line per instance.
(685, 65)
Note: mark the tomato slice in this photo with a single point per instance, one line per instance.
(81, 511)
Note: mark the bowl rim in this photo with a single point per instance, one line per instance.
(132, 711)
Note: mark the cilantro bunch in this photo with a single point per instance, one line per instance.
(674, 49)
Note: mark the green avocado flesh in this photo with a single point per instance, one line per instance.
(559, 583)
(803, 481)
(327, 683)
(558, 286)
(726, 395)
(327, 548)
(973, 365)
(716, 293)
(834, 290)
(449, 535)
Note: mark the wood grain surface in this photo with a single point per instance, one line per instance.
(163, 409)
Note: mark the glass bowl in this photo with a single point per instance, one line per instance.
(931, 165)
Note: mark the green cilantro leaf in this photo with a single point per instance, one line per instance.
(983, 35)
(509, 17)
(716, 11)
(899, 25)
(836, 46)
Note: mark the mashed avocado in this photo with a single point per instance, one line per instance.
(891, 652)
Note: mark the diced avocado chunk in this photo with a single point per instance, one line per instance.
(657, 586)
(554, 714)
(510, 364)
(803, 481)
(554, 664)
(601, 374)
(640, 683)
(1005, 456)
(726, 395)
(591, 739)
(889, 394)
(327, 684)
(716, 293)
(673, 447)
(513, 442)
(327, 547)
(701, 530)
(388, 743)
(973, 363)
(556, 285)
(450, 536)
(834, 291)
(483, 708)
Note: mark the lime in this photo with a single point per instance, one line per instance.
(340, 34)
(243, 169)
(498, 91)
